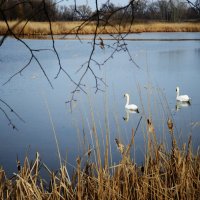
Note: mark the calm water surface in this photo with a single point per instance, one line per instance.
(163, 65)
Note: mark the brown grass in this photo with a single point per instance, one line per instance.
(42, 28)
(173, 174)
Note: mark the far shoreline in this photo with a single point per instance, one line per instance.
(42, 29)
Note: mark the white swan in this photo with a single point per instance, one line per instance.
(182, 98)
(130, 107)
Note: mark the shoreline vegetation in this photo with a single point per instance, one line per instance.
(37, 29)
(165, 174)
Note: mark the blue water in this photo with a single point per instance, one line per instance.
(163, 65)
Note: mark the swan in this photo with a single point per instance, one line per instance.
(130, 107)
(182, 98)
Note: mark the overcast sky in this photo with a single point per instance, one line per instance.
(91, 3)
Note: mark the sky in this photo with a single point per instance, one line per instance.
(91, 3)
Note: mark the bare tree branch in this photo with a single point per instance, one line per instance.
(119, 45)
(12, 110)
(195, 6)
(7, 116)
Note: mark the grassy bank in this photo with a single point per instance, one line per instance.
(42, 28)
(165, 174)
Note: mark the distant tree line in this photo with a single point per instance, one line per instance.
(163, 10)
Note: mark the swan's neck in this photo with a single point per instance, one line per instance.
(177, 93)
(127, 100)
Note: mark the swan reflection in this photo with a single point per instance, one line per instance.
(180, 104)
(128, 112)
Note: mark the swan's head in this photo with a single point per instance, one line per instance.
(177, 89)
(126, 95)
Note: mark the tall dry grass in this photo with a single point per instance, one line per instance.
(42, 28)
(165, 174)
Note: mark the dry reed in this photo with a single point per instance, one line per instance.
(61, 28)
(173, 174)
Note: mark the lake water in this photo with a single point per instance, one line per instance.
(163, 65)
